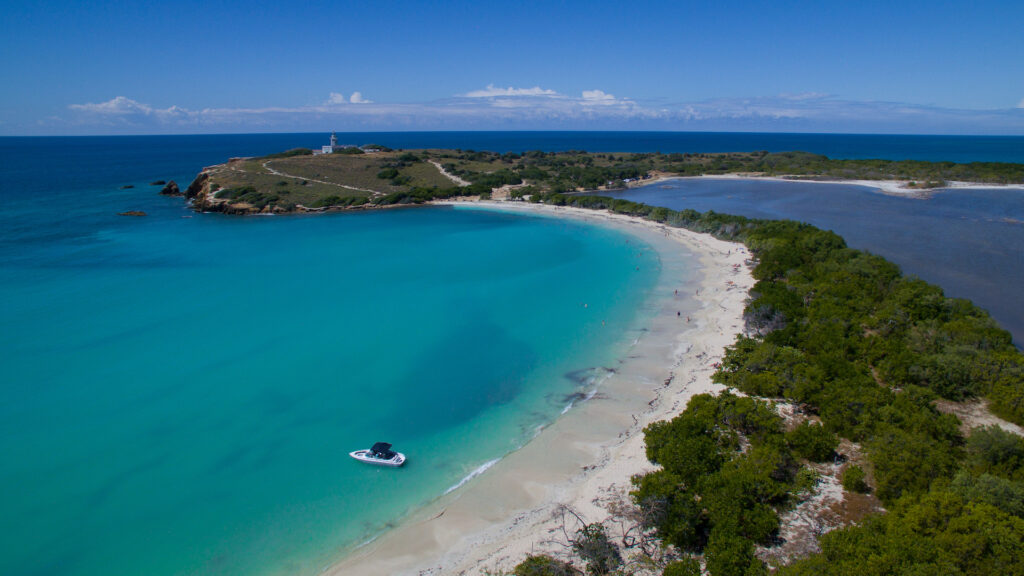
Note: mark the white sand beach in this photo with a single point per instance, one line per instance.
(893, 187)
(586, 458)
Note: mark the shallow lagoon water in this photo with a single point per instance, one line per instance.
(180, 391)
(180, 396)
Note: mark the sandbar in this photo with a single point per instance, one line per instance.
(890, 187)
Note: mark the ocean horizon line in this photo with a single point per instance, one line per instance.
(522, 131)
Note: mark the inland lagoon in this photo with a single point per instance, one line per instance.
(968, 241)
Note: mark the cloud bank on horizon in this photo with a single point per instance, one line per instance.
(537, 108)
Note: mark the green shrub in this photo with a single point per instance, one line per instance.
(812, 441)
(805, 481)
(1004, 494)
(854, 479)
(730, 554)
(288, 153)
(939, 533)
(326, 201)
(233, 193)
(594, 547)
(544, 565)
(684, 567)
(992, 450)
(333, 200)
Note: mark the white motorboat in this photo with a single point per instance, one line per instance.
(380, 454)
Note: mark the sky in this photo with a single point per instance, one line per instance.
(214, 66)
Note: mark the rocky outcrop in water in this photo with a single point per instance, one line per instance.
(171, 189)
(132, 213)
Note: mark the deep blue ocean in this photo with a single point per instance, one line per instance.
(178, 391)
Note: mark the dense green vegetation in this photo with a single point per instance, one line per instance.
(867, 351)
(420, 195)
(348, 150)
(288, 154)
(971, 524)
(249, 195)
(727, 468)
(340, 201)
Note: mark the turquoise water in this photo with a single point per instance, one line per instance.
(180, 393)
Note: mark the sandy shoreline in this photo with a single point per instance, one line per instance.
(586, 457)
(892, 187)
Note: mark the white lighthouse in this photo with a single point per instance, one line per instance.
(334, 145)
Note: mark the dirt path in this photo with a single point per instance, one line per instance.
(975, 413)
(449, 175)
(285, 175)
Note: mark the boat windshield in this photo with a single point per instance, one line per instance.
(382, 450)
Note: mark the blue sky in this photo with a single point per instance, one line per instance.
(214, 66)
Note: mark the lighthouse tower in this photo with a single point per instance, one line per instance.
(330, 149)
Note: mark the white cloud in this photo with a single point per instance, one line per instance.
(337, 98)
(123, 110)
(539, 109)
(493, 91)
(118, 105)
(597, 96)
(1021, 103)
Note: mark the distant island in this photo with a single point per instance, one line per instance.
(370, 176)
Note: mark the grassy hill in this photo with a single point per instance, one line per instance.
(299, 180)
